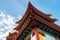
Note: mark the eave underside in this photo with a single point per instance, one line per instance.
(40, 26)
(40, 18)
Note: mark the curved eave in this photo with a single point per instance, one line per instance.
(32, 8)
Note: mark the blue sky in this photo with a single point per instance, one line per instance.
(12, 11)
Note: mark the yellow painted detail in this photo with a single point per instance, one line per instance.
(41, 37)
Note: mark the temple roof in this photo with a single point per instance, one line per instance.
(39, 13)
(33, 13)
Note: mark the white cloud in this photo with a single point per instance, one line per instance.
(1, 29)
(2, 14)
(7, 23)
(1, 23)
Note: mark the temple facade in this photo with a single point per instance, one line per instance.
(35, 25)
